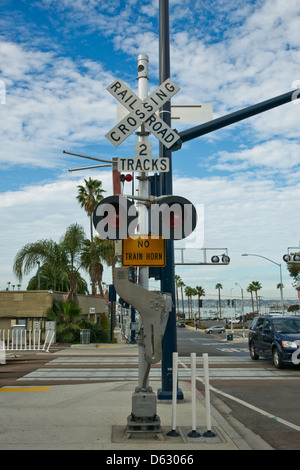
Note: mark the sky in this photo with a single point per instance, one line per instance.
(57, 57)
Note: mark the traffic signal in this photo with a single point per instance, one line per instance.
(292, 258)
(115, 218)
(124, 178)
(173, 217)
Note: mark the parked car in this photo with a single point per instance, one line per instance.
(181, 324)
(275, 337)
(215, 329)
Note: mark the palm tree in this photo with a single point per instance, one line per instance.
(67, 315)
(189, 292)
(88, 197)
(51, 255)
(256, 287)
(201, 293)
(181, 284)
(72, 242)
(251, 290)
(60, 261)
(219, 287)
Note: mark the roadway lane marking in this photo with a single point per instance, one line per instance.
(248, 405)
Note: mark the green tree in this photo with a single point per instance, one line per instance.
(200, 293)
(219, 287)
(294, 272)
(189, 292)
(250, 289)
(67, 316)
(88, 197)
(97, 250)
(256, 287)
(72, 243)
(60, 262)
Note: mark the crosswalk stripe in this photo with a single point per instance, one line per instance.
(100, 368)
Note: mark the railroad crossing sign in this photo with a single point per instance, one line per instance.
(138, 250)
(142, 112)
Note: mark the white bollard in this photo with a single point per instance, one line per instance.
(208, 432)
(46, 338)
(34, 339)
(52, 337)
(193, 432)
(173, 431)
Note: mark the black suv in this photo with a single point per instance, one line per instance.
(277, 337)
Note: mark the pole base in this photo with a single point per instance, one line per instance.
(168, 394)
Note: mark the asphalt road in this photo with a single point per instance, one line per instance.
(265, 401)
(257, 395)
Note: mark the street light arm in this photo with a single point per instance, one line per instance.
(260, 256)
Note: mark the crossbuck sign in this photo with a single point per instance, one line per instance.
(142, 112)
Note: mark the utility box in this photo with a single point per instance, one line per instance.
(85, 336)
(36, 325)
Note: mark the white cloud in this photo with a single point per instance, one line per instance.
(244, 215)
(38, 212)
(51, 102)
(274, 154)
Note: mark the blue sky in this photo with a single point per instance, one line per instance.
(58, 57)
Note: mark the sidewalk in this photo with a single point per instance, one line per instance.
(94, 416)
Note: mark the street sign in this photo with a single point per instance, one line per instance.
(143, 161)
(143, 164)
(139, 250)
(142, 112)
(143, 149)
(198, 112)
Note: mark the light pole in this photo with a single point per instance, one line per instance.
(39, 275)
(278, 264)
(237, 284)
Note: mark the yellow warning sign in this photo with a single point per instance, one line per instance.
(141, 250)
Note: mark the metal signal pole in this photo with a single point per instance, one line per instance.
(169, 342)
